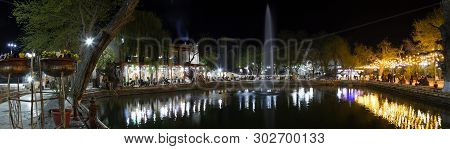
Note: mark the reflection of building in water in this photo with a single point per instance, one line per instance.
(247, 98)
(270, 102)
(302, 96)
(176, 106)
(348, 94)
(192, 105)
(244, 99)
(401, 115)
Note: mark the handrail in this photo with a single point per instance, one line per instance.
(102, 125)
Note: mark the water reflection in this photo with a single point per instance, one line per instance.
(349, 94)
(302, 107)
(246, 98)
(138, 112)
(302, 96)
(141, 112)
(401, 115)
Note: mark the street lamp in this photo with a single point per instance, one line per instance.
(89, 41)
(12, 46)
(29, 79)
(30, 55)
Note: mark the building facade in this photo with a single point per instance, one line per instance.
(175, 65)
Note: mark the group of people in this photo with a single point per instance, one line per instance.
(421, 80)
(152, 82)
(186, 79)
(388, 78)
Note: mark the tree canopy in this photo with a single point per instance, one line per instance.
(426, 31)
(331, 49)
(364, 54)
(145, 33)
(62, 24)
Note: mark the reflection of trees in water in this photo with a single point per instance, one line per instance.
(402, 114)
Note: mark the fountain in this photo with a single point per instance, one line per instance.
(268, 44)
(268, 67)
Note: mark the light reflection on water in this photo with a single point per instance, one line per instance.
(196, 107)
(172, 107)
(179, 106)
(302, 95)
(401, 115)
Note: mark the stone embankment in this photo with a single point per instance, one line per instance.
(422, 93)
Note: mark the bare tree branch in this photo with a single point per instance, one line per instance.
(82, 18)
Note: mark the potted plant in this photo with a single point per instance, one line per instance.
(57, 63)
(56, 114)
(14, 65)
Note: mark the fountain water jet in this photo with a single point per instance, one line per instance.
(268, 66)
(268, 44)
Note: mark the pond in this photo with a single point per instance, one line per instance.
(284, 108)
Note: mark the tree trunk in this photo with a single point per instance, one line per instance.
(445, 40)
(91, 56)
(380, 72)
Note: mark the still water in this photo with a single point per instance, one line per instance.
(304, 107)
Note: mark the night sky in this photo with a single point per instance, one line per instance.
(245, 18)
(8, 27)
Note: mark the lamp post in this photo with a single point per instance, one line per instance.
(31, 80)
(11, 47)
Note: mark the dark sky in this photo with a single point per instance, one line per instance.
(245, 18)
(8, 29)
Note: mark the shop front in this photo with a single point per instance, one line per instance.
(134, 74)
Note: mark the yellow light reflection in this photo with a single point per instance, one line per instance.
(402, 116)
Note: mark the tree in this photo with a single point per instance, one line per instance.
(250, 56)
(426, 31)
(409, 47)
(106, 65)
(445, 34)
(145, 37)
(291, 48)
(208, 52)
(330, 49)
(57, 25)
(50, 24)
(364, 54)
(385, 55)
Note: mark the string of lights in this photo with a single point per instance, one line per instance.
(416, 59)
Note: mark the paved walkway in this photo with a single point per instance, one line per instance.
(26, 112)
